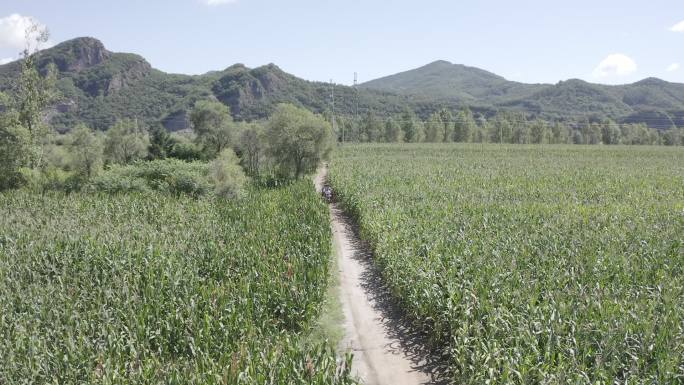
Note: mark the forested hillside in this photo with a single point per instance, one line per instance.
(98, 87)
(658, 103)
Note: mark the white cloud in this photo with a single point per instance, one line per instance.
(615, 65)
(6, 60)
(218, 2)
(673, 67)
(13, 31)
(679, 27)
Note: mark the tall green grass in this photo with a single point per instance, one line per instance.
(155, 288)
(531, 265)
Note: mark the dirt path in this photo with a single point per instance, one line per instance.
(385, 350)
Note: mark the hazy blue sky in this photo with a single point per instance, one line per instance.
(524, 40)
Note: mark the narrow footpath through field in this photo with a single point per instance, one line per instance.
(385, 350)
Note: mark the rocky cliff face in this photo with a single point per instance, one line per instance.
(119, 72)
(253, 92)
(127, 77)
(75, 55)
(92, 68)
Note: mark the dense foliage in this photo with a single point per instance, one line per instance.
(530, 265)
(298, 140)
(148, 288)
(169, 176)
(502, 127)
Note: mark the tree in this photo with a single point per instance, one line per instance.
(125, 142)
(673, 137)
(433, 128)
(408, 125)
(561, 133)
(465, 126)
(577, 137)
(15, 145)
(392, 131)
(348, 130)
(593, 134)
(227, 175)
(34, 94)
(253, 147)
(420, 131)
(213, 125)
(185, 148)
(298, 140)
(371, 128)
(161, 143)
(86, 151)
(521, 133)
(539, 132)
(501, 128)
(447, 126)
(481, 135)
(23, 131)
(610, 132)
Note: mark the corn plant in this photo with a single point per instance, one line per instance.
(530, 265)
(151, 288)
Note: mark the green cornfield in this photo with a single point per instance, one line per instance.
(530, 264)
(155, 289)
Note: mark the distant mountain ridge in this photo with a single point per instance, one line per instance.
(444, 80)
(99, 87)
(648, 100)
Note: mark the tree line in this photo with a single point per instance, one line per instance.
(287, 146)
(504, 127)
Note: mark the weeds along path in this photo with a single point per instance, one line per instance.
(385, 350)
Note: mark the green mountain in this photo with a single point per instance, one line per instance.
(98, 87)
(444, 81)
(652, 101)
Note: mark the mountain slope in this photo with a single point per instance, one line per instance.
(454, 82)
(458, 84)
(98, 87)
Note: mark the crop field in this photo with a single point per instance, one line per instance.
(530, 264)
(147, 288)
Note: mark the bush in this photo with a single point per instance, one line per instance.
(185, 150)
(49, 179)
(114, 182)
(228, 177)
(170, 176)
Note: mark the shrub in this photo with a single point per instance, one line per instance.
(227, 175)
(169, 176)
(186, 151)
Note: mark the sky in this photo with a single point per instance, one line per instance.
(532, 41)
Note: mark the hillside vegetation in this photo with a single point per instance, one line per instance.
(653, 101)
(99, 87)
